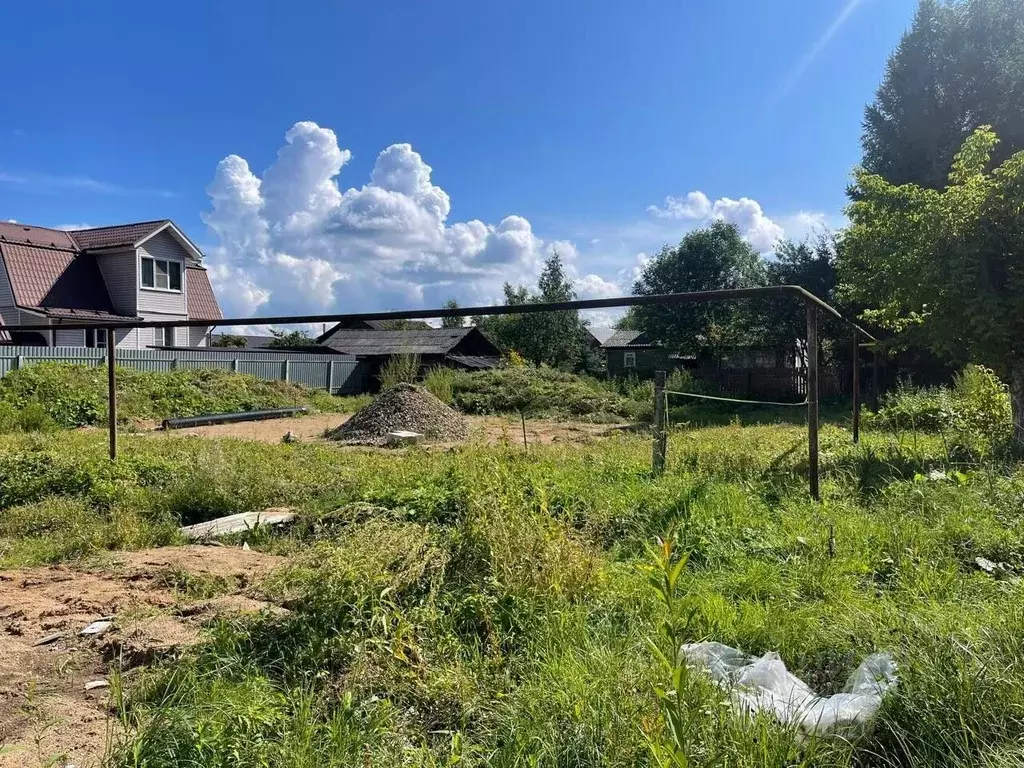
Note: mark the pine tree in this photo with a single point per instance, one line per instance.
(960, 65)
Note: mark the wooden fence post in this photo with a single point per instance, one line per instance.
(812, 399)
(856, 387)
(659, 430)
(111, 394)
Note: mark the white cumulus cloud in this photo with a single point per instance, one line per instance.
(755, 227)
(292, 239)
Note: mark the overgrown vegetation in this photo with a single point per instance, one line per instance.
(546, 392)
(399, 369)
(974, 411)
(50, 395)
(492, 607)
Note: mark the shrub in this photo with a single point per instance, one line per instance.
(539, 391)
(440, 382)
(71, 396)
(399, 369)
(975, 408)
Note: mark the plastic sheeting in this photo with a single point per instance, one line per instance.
(765, 685)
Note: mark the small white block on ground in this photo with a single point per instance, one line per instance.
(97, 627)
(94, 685)
(403, 437)
(243, 521)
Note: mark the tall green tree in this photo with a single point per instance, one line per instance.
(713, 258)
(959, 65)
(290, 339)
(946, 268)
(782, 322)
(452, 322)
(551, 338)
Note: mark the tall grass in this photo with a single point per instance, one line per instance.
(399, 369)
(487, 607)
(440, 381)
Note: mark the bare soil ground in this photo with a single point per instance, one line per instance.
(158, 600)
(491, 429)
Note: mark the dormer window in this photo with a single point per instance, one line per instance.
(161, 274)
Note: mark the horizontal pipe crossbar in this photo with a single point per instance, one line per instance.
(694, 297)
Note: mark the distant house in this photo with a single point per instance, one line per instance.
(597, 336)
(465, 348)
(144, 271)
(633, 353)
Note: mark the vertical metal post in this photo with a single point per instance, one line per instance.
(812, 398)
(112, 393)
(234, 365)
(658, 452)
(285, 368)
(330, 377)
(856, 387)
(874, 379)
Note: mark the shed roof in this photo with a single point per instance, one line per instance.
(432, 341)
(629, 339)
(600, 334)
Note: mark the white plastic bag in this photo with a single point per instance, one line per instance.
(765, 685)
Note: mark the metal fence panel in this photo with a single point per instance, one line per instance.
(340, 374)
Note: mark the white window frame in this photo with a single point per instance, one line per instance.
(164, 266)
(629, 359)
(99, 338)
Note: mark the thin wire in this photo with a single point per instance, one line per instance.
(734, 400)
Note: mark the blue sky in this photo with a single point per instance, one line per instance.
(544, 124)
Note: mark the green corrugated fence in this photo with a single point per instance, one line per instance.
(339, 374)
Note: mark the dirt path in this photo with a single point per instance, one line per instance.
(158, 599)
(490, 429)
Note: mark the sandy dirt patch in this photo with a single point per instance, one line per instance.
(46, 715)
(489, 429)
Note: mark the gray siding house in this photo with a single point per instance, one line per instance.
(148, 270)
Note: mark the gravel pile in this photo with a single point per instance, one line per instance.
(404, 407)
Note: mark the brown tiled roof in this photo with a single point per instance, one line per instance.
(202, 304)
(119, 236)
(25, 234)
(50, 274)
(47, 277)
(80, 314)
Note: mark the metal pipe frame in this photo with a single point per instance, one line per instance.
(814, 306)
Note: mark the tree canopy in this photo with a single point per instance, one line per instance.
(946, 268)
(452, 322)
(550, 338)
(713, 258)
(289, 339)
(230, 340)
(959, 65)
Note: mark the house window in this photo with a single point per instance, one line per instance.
(162, 274)
(95, 337)
(168, 337)
(629, 359)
